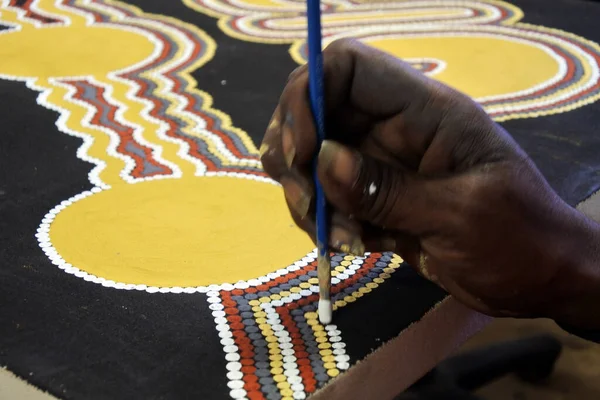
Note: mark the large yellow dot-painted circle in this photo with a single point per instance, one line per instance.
(61, 52)
(180, 232)
(480, 66)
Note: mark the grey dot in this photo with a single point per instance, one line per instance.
(255, 335)
(309, 308)
(318, 369)
(304, 278)
(381, 264)
(315, 357)
(262, 365)
(295, 282)
(312, 273)
(239, 299)
(372, 275)
(322, 377)
(262, 372)
(285, 286)
(251, 296)
(261, 357)
(348, 290)
(244, 308)
(273, 395)
(249, 322)
(385, 258)
(251, 329)
(341, 295)
(337, 258)
(313, 350)
(300, 319)
(260, 343)
(247, 315)
(261, 351)
(297, 312)
(264, 294)
(275, 290)
(267, 380)
(364, 280)
(356, 287)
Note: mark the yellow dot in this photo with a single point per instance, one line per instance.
(313, 281)
(385, 276)
(321, 339)
(287, 398)
(237, 209)
(295, 290)
(388, 270)
(264, 327)
(276, 364)
(333, 372)
(371, 285)
(260, 314)
(340, 269)
(275, 297)
(271, 339)
(329, 359)
(311, 315)
(284, 293)
(378, 280)
(283, 385)
(287, 392)
(279, 378)
(357, 294)
(346, 263)
(324, 345)
(326, 352)
(305, 285)
(329, 365)
(319, 333)
(262, 321)
(273, 345)
(254, 302)
(340, 303)
(312, 322)
(334, 273)
(349, 299)
(275, 350)
(275, 357)
(277, 371)
(265, 299)
(318, 328)
(364, 290)
(257, 309)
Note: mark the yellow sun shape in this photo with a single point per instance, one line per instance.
(180, 199)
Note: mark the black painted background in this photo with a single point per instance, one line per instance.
(80, 340)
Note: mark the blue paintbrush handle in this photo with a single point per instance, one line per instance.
(315, 78)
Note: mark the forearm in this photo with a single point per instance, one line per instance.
(577, 302)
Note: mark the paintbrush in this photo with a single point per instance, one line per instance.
(315, 82)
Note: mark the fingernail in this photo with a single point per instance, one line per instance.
(287, 142)
(298, 198)
(357, 248)
(339, 162)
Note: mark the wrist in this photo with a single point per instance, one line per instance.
(575, 291)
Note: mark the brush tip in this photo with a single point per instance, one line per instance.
(325, 311)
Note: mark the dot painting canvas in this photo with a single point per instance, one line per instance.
(146, 254)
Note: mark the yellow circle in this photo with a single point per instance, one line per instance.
(319, 333)
(329, 359)
(180, 232)
(267, 300)
(329, 365)
(271, 339)
(313, 281)
(333, 372)
(311, 315)
(364, 290)
(326, 352)
(275, 357)
(295, 290)
(346, 263)
(340, 269)
(277, 371)
(275, 350)
(284, 293)
(283, 384)
(324, 345)
(260, 314)
(317, 329)
(256, 308)
(348, 258)
(254, 303)
(321, 339)
(279, 378)
(349, 299)
(357, 294)
(377, 280)
(371, 285)
(68, 52)
(276, 364)
(273, 345)
(340, 303)
(275, 297)
(287, 392)
(304, 285)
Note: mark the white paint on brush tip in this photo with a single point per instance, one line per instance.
(325, 311)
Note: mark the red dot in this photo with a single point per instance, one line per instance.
(302, 302)
(237, 292)
(298, 347)
(234, 318)
(251, 386)
(303, 361)
(247, 361)
(250, 378)
(302, 354)
(280, 279)
(255, 395)
(271, 284)
(229, 303)
(335, 289)
(247, 353)
(238, 333)
(251, 290)
(262, 288)
(237, 326)
(248, 369)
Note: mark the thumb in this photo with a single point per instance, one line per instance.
(376, 192)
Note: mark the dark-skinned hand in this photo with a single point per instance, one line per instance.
(418, 168)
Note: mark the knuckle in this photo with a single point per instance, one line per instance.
(341, 45)
(380, 189)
